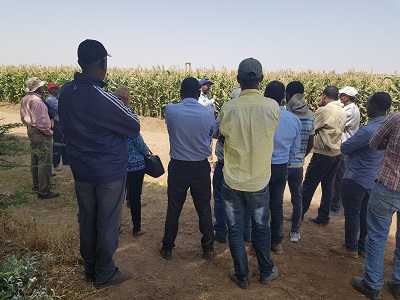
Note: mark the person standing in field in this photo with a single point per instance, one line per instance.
(137, 149)
(362, 165)
(190, 129)
(383, 203)
(248, 125)
(347, 96)
(297, 106)
(286, 144)
(96, 122)
(34, 114)
(330, 121)
(205, 98)
(220, 227)
(58, 136)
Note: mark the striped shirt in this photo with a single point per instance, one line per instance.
(307, 129)
(388, 137)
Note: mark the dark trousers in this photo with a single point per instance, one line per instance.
(321, 169)
(355, 202)
(295, 181)
(183, 175)
(41, 146)
(337, 186)
(134, 183)
(58, 146)
(277, 185)
(99, 220)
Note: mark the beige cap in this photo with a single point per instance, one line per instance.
(33, 83)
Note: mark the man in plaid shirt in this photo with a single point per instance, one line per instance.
(383, 203)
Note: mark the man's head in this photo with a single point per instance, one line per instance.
(249, 73)
(378, 104)
(275, 90)
(205, 84)
(53, 89)
(190, 88)
(124, 94)
(294, 87)
(36, 85)
(347, 95)
(329, 94)
(92, 57)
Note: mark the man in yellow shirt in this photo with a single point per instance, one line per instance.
(330, 121)
(248, 125)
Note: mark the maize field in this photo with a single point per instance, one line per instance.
(152, 89)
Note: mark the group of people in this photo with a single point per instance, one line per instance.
(261, 146)
(47, 142)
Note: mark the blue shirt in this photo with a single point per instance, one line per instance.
(287, 138)
(136, 151)
(190, 128)
(52, 104)
(363, 163)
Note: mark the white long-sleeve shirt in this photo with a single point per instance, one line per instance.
(207, 101)
(352, 121)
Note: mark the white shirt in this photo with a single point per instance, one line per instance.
(352, 121)
(207, 101)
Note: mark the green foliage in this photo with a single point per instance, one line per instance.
(19, 279)
(152, 89)
(10, 146)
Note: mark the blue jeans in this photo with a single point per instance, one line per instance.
(355, 201)
(295, 181)
(258, 204)
(220, 227)
(58, 147)
(383, 203)
(277, 185)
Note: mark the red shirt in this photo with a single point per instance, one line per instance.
(388, 137)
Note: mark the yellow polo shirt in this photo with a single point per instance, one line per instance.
(248, 124)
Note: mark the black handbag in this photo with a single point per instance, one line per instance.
(154, 166)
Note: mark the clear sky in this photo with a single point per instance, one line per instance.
(283, 34)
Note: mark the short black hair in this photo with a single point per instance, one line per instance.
(382, 101)
(332, 92)
(275, 90)
(294, 87)
(190, 88)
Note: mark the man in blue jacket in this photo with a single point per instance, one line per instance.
(96, 123)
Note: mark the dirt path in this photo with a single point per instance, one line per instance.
(307, 270)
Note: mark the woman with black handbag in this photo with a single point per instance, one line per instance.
(137, 149)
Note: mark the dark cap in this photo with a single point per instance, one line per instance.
(90, 51)
(205, 81)
(250, 68)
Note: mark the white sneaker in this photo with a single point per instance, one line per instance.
(294, 237)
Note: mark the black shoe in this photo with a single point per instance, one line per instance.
(208, 255)
(90, 277)
(318, 221)
(167, 255)
(272, 276)
(364, 289)
(50, 195)
(241, 283)
(394, 289)
(120, 276)
(137, 233)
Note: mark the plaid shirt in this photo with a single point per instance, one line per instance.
(388, 137)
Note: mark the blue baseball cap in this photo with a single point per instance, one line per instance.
(205, 81)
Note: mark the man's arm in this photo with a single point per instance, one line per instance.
(310, 144)
(358, 141)
(319, 121)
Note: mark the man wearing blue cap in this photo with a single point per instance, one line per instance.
(205, 98)
(95, 123)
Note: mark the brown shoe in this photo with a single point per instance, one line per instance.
(138, 233)
(342, 250)
(120, 276)
(318, 221)
(277, 248)
(360, 285)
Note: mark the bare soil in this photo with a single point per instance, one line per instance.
(307, 270)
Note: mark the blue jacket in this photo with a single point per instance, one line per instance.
(95, 124)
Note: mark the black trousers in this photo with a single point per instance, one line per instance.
(183, 175)
(321, 169)
(134, 182)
